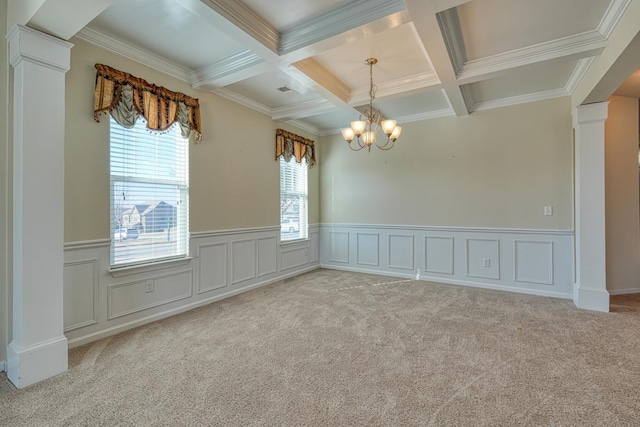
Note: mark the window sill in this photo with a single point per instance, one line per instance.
(150, 266)
(293, 242)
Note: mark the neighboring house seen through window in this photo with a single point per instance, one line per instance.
(149, 194)
(293, 200)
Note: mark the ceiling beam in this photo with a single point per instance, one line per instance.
(423, 13)
(316, 77)
(352, 15)
(242, 65)
(573, 47)
(60, 18)
(239, 22)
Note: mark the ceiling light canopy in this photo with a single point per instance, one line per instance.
(365, 129)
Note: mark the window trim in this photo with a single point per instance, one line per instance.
(141, 266)
(147, 266)
(306, 196)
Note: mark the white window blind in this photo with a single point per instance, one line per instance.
(149, 194)
(293, 200)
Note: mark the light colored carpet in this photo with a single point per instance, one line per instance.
(343, 349)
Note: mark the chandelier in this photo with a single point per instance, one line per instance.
(366, 127)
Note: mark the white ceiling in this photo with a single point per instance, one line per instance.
(436, 57)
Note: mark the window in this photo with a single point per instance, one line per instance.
(149, 194)
(293, 200)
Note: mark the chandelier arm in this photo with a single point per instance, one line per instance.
(356, 149)
(386, 145)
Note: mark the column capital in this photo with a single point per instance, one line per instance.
(592, 113)
(32, 45)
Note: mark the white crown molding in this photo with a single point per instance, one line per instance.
(352, 15)
(242, 100)
(394, 87)
(453, 40)
(520, 99)
(247, 20)
(304, 126)
(328, 132)
(229, 65)
(584, 44)
(434, 114)
(578, 73)
(612, 16)
(108, 43)
(301, 110)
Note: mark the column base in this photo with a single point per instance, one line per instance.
(28, 365)
(591, 299)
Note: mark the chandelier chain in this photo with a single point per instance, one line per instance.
(372, 90)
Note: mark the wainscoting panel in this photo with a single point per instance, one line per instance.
(243, 260)
(533, 262)
(294, 255)
(98, 304)
(483, 258)
(80, 294)
(536, 262)
(213, 266)
(368, 249)
(438, 254)
(338, 245)
(401, 252)
(131, 297)
(267, 255)
(314, 246)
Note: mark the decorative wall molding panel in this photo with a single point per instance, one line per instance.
(225, 263)
(538, 262)
(80, 293)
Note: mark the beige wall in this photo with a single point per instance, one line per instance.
(621, 194)
(234, 178)
(4, 186)
(495, 168)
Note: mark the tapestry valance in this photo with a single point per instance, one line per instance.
(127, 97)
(291, 145)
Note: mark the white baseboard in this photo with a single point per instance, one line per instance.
(31, 364)
(454, 282)
(591, 299)
(624, 291)
(85, 339)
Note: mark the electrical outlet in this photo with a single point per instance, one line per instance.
(148, 286)
(548, 210)
(486, 262)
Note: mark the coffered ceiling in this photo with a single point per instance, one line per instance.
(303, 60)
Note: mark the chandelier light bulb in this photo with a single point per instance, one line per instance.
(388, 126)
(396, 133)
(348, 134)
(358, 126)
(369, 137)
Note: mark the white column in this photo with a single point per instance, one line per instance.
(38, 349)
(590, 289)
